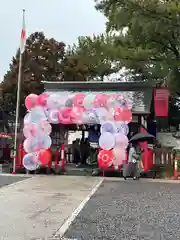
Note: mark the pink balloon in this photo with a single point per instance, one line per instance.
(120, 156)
(31, 101)
(66, 112)
(77, 114)
(64, 115)
(78, 99)
(42, 99)
(100, 100)
(121, 140)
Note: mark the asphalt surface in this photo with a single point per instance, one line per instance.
(129, 210)
(7, 180)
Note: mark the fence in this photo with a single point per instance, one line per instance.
(57, 159)
(162, 157)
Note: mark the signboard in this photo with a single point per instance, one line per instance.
(161, 102)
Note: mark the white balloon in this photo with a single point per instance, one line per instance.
(45, 127)
(30, 162)
(53, 116)
(106, 141)
(30, 145)
(37, 114)
(103, 114)
(108, 126)
(45, 142)
(90, 117)
(27, 118)
(34, 144)
(30, 130)
(53, 101)
(122, 127)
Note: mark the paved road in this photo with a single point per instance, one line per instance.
(128, 211)
(36, 208)
(9, 179)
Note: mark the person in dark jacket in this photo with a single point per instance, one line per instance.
(76, 151)
(84, 149)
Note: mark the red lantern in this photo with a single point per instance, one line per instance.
(123, 114)
(105, 158)
(44, 157)
(78, 99)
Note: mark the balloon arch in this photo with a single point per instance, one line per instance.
(112, 111)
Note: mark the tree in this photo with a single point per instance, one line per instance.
(150, 44)
(41, 61)
(94, 53)
(73, 68)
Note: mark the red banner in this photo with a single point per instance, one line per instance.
(161, 102)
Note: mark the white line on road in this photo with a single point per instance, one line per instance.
(63, 229)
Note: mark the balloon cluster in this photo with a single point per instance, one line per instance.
(113, 143)
(112, 111)
(36, 131)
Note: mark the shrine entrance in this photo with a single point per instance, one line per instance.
(103, 114)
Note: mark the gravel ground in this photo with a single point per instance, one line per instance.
(130, 210)
(7, 180)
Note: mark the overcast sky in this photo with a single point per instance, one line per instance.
(64, 20)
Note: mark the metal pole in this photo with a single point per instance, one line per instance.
(17, 112)
(18, 102)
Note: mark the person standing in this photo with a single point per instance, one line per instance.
(132, 167)
(84, 149)
(76, 151)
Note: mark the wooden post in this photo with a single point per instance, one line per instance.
(176, 168)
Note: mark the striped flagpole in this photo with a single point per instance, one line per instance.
(22, 48)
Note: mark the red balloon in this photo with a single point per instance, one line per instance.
(44, 157)
(31, 101)
(42, 99)
(123, 114)
(78, 99)
(105, 158)
(100, 100)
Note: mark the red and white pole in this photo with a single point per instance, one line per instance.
(62, 156)
(21, 155)
(56, 161)
(176, 168)
(50, 162)
(14, 160)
